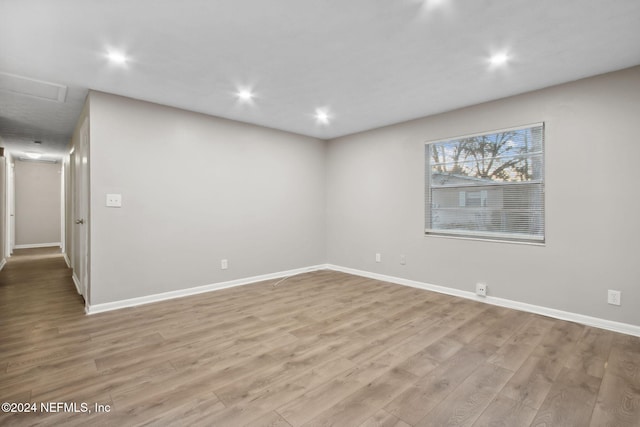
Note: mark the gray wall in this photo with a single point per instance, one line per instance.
(375, 202)
(197, 189)
(37, 198)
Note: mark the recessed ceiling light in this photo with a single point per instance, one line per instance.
(117, 57)
(431, 6)
(499, 59)
(245, 95)
(434, 3)
(322, 116)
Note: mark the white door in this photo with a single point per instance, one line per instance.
(81, 211)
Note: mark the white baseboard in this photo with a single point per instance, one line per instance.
(66, 259)
(115, 305)
(3, 262)
(76, 282)
(610, 325)
(37, 245)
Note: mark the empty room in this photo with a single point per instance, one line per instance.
(310, 213)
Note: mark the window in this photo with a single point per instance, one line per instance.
(488, 186)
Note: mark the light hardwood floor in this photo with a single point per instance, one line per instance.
(319, 349)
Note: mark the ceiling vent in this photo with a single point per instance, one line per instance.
(32, 87)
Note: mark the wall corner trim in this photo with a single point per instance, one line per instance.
(132, 302)
(66, 260)
(3, 262)
(596, 322)
(76, 282)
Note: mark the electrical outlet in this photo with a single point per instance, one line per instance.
(224, 264)
(613, 297)
(481, 289)
(114, 200)
(378, 258)
(403, 259)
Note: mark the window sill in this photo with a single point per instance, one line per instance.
(485, 239)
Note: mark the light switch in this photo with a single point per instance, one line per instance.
(114, 200)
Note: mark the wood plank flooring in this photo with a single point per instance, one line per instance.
(318, 349)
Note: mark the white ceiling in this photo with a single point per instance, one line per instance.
(368, 62)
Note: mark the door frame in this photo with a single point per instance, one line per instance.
(80, 216)
(10, 241)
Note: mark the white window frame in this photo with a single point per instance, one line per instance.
(463, 194)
